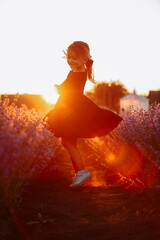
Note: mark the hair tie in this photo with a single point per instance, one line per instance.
(89, 63)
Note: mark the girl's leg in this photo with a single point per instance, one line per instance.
(71, 146)
(82, 174)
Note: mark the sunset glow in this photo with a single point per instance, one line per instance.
(35, 33)
(51, 96)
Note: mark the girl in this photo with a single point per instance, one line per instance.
(76, 116)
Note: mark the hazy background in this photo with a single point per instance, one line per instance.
(124, 37)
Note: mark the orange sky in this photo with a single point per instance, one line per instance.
(123, 36)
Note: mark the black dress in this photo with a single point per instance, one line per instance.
(75, 115)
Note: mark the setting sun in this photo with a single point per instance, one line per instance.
(51, 96)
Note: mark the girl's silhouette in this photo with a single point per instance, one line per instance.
(76, 116)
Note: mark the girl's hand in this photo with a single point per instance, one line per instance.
(58, 88)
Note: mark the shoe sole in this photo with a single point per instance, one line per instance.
(79, 184)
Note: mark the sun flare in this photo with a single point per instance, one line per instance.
(51, 96)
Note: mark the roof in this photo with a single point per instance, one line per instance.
(134, 96)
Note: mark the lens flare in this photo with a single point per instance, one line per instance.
(111, 158)
(129, 162)
(125, 164)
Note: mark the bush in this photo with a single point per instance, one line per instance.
(143, 129)
(133, 148)
(26, 145)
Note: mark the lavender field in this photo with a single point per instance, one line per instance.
(128, 158)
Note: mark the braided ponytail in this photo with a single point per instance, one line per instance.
(90, 73)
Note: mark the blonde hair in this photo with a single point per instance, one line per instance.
(82, 48)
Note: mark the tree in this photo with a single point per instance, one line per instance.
(108, 94)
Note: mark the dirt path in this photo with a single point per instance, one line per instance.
(47, 209)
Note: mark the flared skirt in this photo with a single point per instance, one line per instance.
(76, 116)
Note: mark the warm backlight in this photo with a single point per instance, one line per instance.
(51, 96)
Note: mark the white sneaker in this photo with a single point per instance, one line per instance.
(81, 177)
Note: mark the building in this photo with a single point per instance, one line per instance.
(133, 101)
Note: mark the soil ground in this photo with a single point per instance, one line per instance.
(50, 210)
(47, 209)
